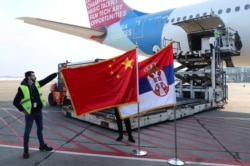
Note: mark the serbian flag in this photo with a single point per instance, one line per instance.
(102, 85)
(156, 84)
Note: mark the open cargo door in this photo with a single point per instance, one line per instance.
(201, 29)
(200, 24)
(198, 28)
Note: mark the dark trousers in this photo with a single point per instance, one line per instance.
(219, 42)
(120, 126)
(29, 119)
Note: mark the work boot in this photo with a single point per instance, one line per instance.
(131, 139)
(26, 154)
(45, 148)
(119, 138)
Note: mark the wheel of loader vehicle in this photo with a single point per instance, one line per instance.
(51, 100)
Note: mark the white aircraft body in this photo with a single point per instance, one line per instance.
(115, 24)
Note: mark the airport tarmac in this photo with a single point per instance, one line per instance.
(219, 137)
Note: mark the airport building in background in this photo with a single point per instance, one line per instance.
(238, 74)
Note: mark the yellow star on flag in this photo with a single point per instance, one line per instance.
(127, 63)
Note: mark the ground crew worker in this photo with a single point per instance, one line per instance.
(217, 35)
(29, 100)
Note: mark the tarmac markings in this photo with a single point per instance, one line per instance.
(122, 157)
(189, 142)
(199, 138)
(103, 136)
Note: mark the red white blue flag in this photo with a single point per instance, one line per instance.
(156, 84)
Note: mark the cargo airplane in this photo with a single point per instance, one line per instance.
(114, 23)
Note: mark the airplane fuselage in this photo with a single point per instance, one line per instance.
(148, 31)
(117, 25)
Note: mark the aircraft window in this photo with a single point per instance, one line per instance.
(197, 15)
(184, 18)
(228, 10)
(172, 20)
(237, 8)
(247, 7)
(178, 19)
(191, 16)
(220, 11)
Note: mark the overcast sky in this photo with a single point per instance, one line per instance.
(26, 47)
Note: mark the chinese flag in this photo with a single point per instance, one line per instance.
(101, 85)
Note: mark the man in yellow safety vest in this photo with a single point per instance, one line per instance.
(29, 100)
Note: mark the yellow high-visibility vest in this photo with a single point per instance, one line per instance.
(26, 101)
(217, 33)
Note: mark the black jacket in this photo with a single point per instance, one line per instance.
(34, 94)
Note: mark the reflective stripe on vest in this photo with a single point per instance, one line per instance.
(26, 101)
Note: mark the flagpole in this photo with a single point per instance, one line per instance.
(175, 161)
(138, 152)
